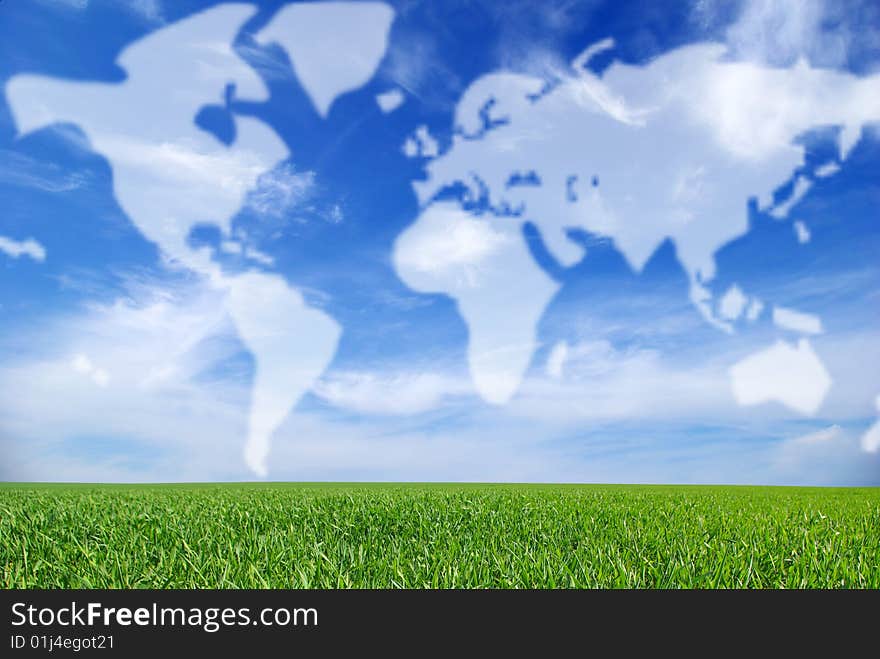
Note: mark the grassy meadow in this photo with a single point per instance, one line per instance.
(274, 535)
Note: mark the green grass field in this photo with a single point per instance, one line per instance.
(443, 535)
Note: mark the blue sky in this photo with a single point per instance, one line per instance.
(119, 365)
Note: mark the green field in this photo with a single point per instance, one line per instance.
(443, 535)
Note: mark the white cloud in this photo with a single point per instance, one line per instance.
(669, 150)
(776, 29)
(168, 175)
(556, 360)
(421, 144)
(69, 4)
(181, 165)
(334, 47)
(828, 434)
(135, 338)
(598, 383)
(732, 303)
(428, 146)
(231, 247)
(754, 310)
(793, 376)
(391, 100)
(871, 438)
(19, 169)
(156, 351)
(260, 257)
(796, 321)
(778, 32)
(101, 377)
(175, 386)
(17, 248)
(410, 148)
(802, 185)
(159, 342)
(415, 62)
(826, 170)
(281, 190)
(311, 448)
(452, 242)
(397, 393)
(147, 10)
(82, 364)
(486, 266)
(178, 406)
(801, 232)
(292, 344)
(586, 381)
(826, 456)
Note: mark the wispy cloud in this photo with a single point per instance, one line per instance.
(181, 164)
(871, 437)
(396, 393)
(282, 190)
(821, 456)
(778, 32)
(147, 10)
(179, 400)
(82, 364)
(78, 5)
(158, 365)
(455, 244)
(20, 170)
(17, 248)
(415, 63)
(593, 380)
